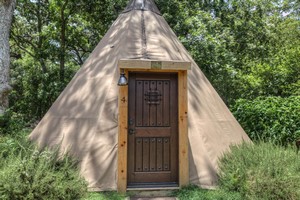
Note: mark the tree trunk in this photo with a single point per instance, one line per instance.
(6, 13)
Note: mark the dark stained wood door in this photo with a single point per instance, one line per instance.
(153, 129)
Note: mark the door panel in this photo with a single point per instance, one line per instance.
(153, 128)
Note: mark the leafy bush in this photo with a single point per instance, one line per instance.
(26, 173)
(261, 171)
(13, 146)
(34, 91)
(272, 119)
(192, 192)
(11, 123)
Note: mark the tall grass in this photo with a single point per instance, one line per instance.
(27, 173)
(261, 171)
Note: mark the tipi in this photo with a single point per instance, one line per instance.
(85, 119)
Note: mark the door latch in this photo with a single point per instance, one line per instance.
(131, 131)
(130, 121)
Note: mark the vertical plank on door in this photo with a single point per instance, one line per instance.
(146, 155)
(146, 105)
(139, 155)
(139, 103)
(131, 124)
(159, 153)
(166, 154)
(166, 103)
(159, 117)
(152, 154)
(153, 106)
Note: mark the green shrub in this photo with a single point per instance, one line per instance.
(11, 146)
(27, 173)
(261, 171)
(195, 193)
(272, 119)
(11, 123)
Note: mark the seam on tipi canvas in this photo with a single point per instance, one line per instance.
(144, 37)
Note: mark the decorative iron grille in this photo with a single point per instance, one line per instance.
(153, 97)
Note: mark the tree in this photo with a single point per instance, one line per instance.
(246, 48)
(50, 40)
(6, 13)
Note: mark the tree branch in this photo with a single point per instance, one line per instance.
(20, 46)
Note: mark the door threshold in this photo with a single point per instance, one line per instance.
(153, 186)
(152, 189)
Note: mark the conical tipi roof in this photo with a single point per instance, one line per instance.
(84, 118)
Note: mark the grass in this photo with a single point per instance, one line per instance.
(104, 196)
(195, 193)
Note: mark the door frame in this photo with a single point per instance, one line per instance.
(179, 67)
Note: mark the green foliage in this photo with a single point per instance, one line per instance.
(195, 193)
(261, 171)
(273, 119)
(50, 40)
(27, 173)
(13, 145)
(246, 48)
(11, 122)
(35, 91)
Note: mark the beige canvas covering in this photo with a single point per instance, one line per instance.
(84, 118)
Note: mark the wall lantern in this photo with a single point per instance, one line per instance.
(122, 80)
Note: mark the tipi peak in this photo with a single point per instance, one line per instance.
(144, 5)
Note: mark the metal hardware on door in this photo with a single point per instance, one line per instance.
(131, 131)
(130, 121)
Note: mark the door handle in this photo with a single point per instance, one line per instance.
(131, 131)
(130, 121)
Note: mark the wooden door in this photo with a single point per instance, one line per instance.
(153, 129)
